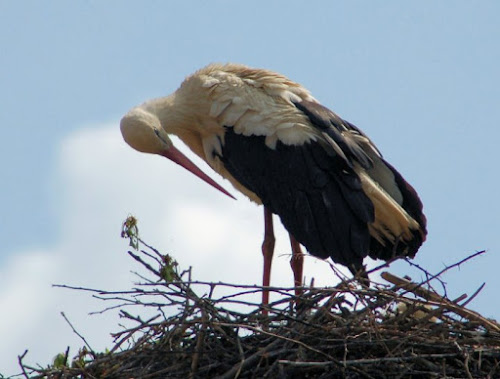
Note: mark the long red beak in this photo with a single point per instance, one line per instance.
(176, 156)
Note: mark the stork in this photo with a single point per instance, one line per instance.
(329, 184)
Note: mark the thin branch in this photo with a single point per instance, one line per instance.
(473, 296)
(21, 364)
(78, 334)
(432, 296)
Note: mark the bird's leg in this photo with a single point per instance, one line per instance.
(267, 251)
(359, 273)
(297, 263)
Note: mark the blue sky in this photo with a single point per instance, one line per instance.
(420, 78)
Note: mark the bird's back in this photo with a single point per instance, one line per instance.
(325, 179)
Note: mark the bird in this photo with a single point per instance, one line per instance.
(274, 142)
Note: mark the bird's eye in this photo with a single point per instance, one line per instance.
(160, 137)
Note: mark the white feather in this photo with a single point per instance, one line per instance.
(218, 107)
(211, 144)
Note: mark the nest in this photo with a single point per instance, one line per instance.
(392, 330)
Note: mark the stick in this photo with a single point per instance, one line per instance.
(432, 296)
(78, 334)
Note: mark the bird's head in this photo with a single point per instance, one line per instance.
(143, 131)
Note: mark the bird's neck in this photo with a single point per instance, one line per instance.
(170, 113)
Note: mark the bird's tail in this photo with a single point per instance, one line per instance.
(399, 229)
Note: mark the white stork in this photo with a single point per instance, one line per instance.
(279, 146)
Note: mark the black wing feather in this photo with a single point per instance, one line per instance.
(318, 198)
(366, 154)
(316, 192)
(332, 125)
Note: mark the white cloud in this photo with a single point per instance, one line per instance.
(101, 181)
(23, 282)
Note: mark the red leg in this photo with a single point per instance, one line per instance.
(267, 251)
(297, 263)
